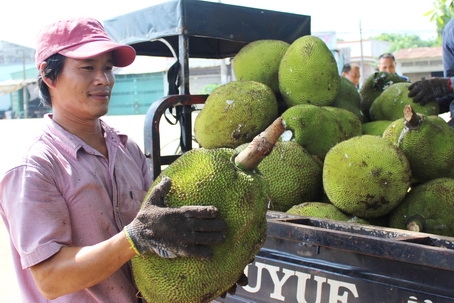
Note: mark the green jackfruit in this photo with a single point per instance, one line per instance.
(319, 128)
(348, 98)
(375, 127)
(293, 174)
(427, 142)
(308, 73)
(366, 176)
(323, 211)
(219, 177)
(373, 86)
(390, 103)
(259, 61)
(428, 208)
(234, 113)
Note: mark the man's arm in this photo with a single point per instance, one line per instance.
(186, 231)
(76, 268)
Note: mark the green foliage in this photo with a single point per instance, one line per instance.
(209, 88)
(442, 12)
(399, 41)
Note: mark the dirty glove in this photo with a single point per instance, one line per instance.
(428, 90)
(242, 281)
(185, 231)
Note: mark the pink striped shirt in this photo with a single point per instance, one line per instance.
(65, 193)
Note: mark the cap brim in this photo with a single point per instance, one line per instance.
(123, 55)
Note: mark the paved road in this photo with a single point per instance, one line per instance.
(19, 133)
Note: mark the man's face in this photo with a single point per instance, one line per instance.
(83, 88)
(387, 65)
(353, 75)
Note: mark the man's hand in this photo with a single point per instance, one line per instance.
(170, 232)
(425, 91)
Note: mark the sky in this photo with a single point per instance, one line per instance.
(350, 19)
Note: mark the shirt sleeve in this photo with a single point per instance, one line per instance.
(38, 216)
(448, 49)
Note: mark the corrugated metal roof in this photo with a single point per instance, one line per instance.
(418, 53)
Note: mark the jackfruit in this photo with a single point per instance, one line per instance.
(428, 208)
(319, 128)
(323, 211)
(393, 130)
(234, 113)
(391, 102)
(308, 73)
(259, 61)
(373, 86)
(293, 174)
(427, 142)
(375, 127)
(366, 176)
(229, 181)
(348, 98)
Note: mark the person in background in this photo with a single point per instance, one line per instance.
(352, 73)
(439, 89)
(73, 206)
(387, 63)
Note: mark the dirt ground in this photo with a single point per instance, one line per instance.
(19, 133)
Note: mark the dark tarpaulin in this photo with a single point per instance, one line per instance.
(214, 30)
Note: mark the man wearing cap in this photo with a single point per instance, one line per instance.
(73, 206)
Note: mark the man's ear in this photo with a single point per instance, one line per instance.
(49, 82)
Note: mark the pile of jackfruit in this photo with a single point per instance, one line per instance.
(371, 156)
(367, 157)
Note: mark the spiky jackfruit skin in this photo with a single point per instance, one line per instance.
(294, 176)
(430, 205)
(393, 130)
(390, 104)
(348, 98)
(373, 86)
(366, 176)
(429, 148)
(308, 73)
(319, 210)
(319, 128)
(259, 61)
(375, 127)
(208, 177)
(323, 210)
(234, 113)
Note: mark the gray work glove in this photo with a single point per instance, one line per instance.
(425, 91)
(185, 231)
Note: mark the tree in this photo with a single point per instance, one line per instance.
(399, 41)
(442, 12)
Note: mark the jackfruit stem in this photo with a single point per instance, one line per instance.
(414, 226)
(412, 119)
(416, 223)
(260, 147)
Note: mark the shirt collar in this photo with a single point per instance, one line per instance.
(72, 144)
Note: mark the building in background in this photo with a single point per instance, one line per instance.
(17, 71)
(146, 80)
(420, 63)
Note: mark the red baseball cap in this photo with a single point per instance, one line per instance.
(80, 38)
